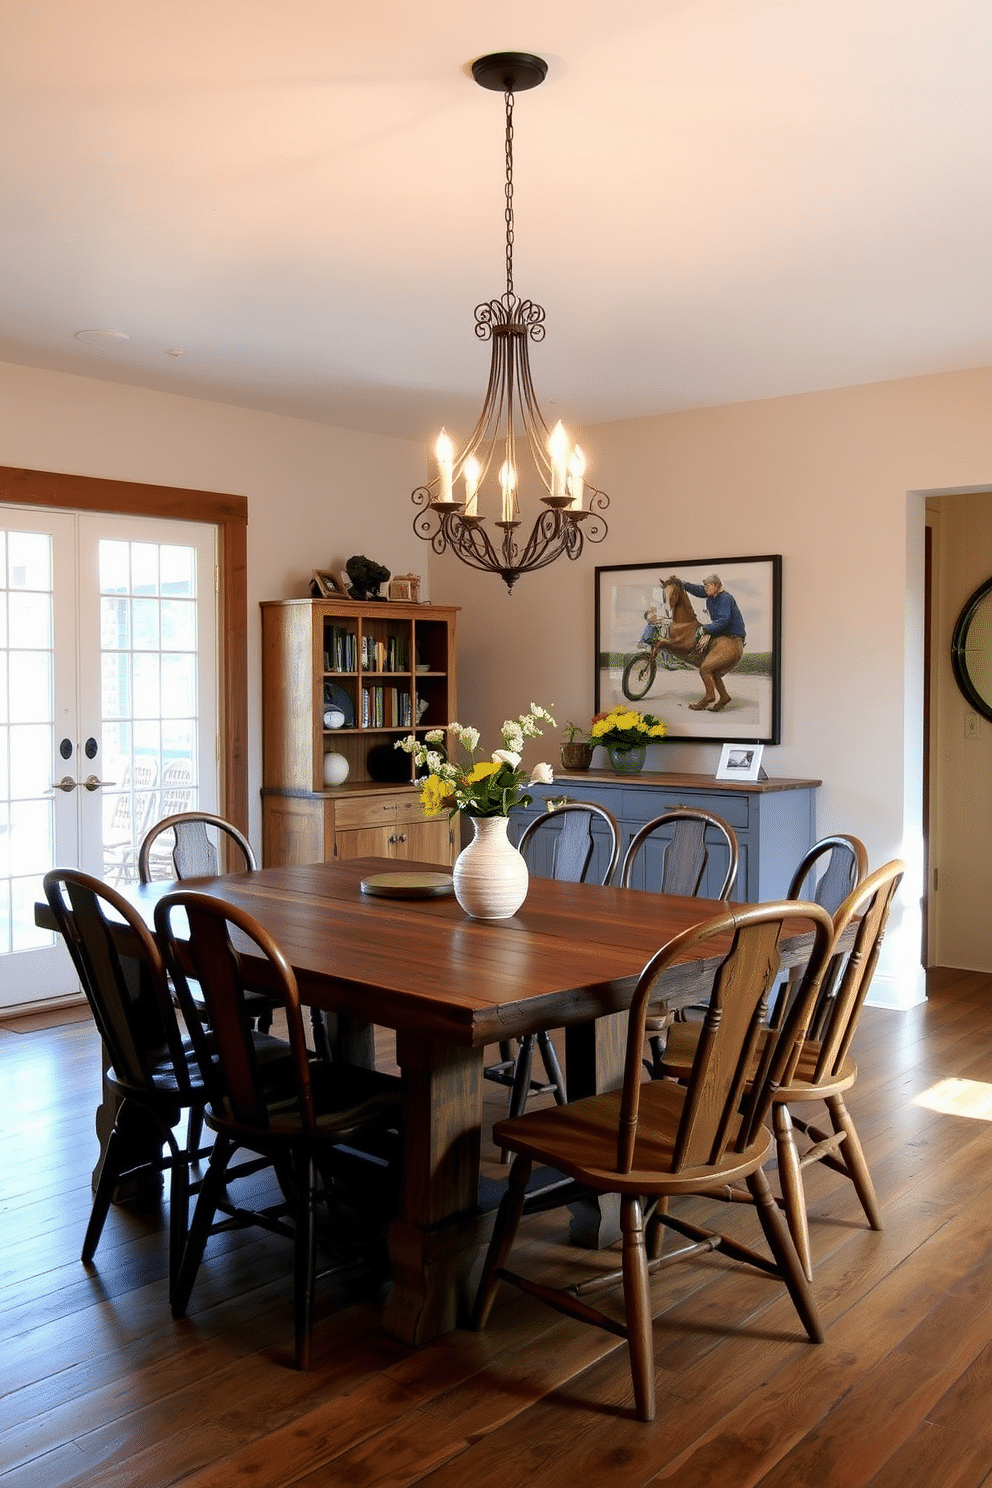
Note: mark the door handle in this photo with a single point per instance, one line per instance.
(91, 783)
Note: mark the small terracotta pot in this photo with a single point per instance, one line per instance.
(576, 756)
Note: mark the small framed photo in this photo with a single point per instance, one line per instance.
(741, 762)
(326, 585)
(405, 587)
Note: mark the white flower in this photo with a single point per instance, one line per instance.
(541, 775)
(434, 736)
(506, 757)
(513, 736)
(539, 712)
(468, 738)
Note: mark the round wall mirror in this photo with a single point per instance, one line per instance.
(971, 650)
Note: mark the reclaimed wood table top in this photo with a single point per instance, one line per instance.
(572, 952)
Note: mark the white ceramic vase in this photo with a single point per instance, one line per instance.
(490, 876)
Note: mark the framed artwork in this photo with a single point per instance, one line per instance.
(741, 762)
(696, 641)
(327, 585)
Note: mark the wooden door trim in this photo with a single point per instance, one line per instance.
(54, 489)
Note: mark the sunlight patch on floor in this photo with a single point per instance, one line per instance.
(971, 1098)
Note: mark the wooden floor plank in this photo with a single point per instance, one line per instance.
(101, 1387)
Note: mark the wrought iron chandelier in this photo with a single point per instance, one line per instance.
(511, 424)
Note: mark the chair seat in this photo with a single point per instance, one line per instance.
(802, 1087)
(345, 1098)
(580, 1140)
(680, 1051)
(163, 1079)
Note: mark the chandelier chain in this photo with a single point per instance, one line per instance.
(509, 191)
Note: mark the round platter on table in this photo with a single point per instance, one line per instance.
(408, 885)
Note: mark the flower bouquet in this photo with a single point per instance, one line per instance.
(491, 787)
(490, 876)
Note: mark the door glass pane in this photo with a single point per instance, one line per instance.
(27, 723)
(29, 561)
(150, 732)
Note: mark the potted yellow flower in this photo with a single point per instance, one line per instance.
(626, 733)
(490, 876)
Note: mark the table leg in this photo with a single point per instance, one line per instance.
(437, 1237)
(594, 1056)
(352, 1040)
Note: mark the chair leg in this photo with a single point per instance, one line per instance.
(854, 1159)
(637, 1305)
(552, 1068)
(522, 1075)
(305, 1258)
(782, 1249)
(106, 1183)
(321, 1042)
(655, 1230)
(194, 1131)
(210, 1194)
(178, 1210)
(791, 1180)
(523, 1065)
(507, 1219)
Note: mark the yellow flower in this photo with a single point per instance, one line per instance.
(435, 796)
(479, 772)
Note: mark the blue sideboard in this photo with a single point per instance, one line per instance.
(775, 822)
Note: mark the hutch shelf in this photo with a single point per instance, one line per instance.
(389, 669)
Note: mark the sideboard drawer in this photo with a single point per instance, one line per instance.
(642, 805)
(774, 821)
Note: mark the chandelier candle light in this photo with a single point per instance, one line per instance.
(511, 423)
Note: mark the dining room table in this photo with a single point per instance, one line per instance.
(449, 986)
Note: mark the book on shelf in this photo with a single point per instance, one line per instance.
(386, 707)
(340, 649)
(389, 655)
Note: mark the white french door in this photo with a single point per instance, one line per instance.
(108, 708)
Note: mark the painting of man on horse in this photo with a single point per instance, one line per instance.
(676, 638)
(714, 649)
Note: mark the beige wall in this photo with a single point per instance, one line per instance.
(833, 482)
(316, 495)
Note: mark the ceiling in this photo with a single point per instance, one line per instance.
(715, 200)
